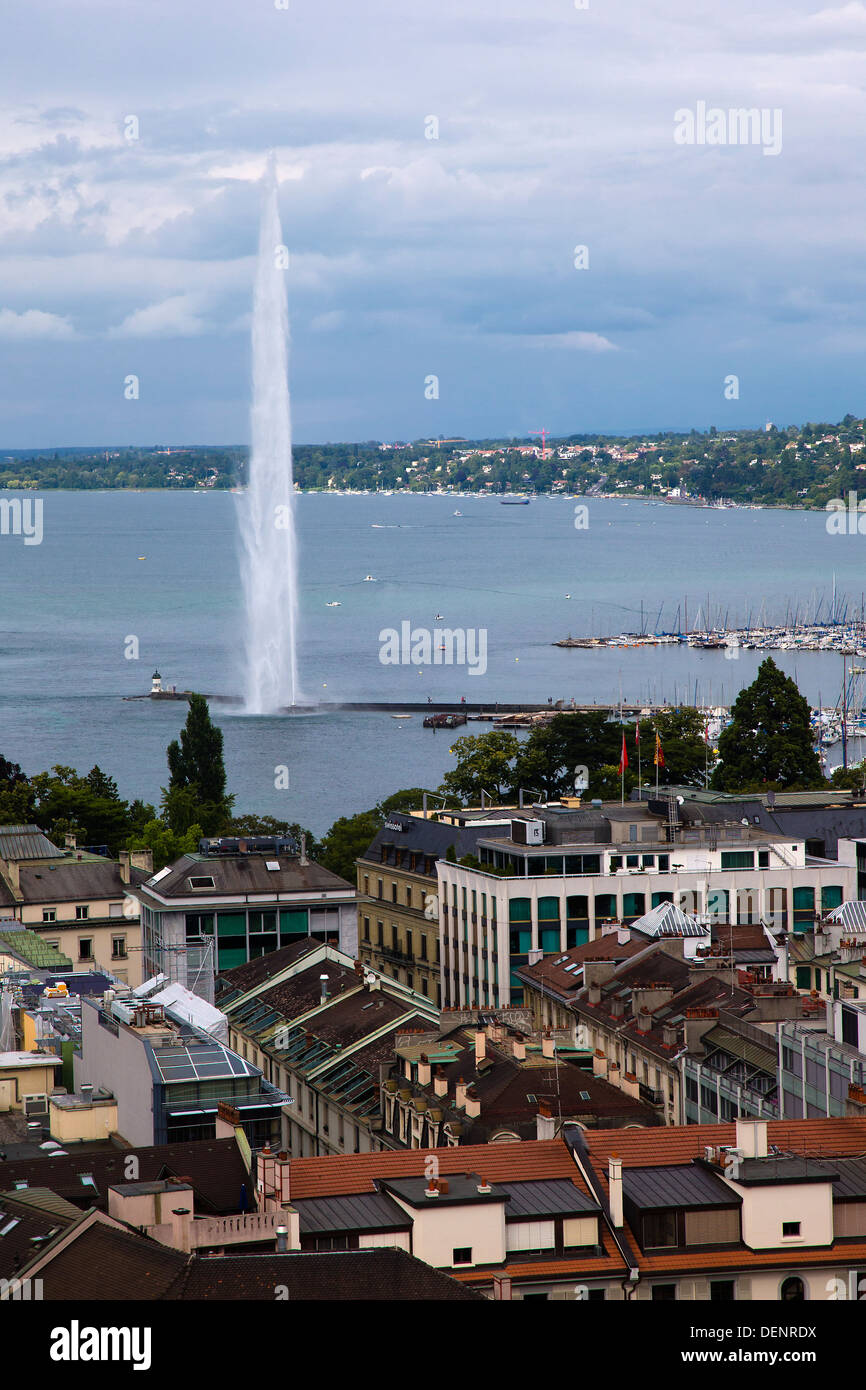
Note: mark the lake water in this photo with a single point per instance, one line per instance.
(71, 603)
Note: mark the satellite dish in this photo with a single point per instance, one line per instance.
(745, 820)
(680, 800)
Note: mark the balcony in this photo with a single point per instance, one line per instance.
(649, 1095)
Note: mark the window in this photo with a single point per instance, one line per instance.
(738, 859)
(82, 913)
(393, 892)
(615, 862)
(118, 948)
(722, 1290)
(462, 1255)
(790, 1228)
(792, 1290)
(85, 948)
(366, 929)
(49, 914)
(204, 881)
(763, 859)
(55, 943)
(659, 1229)
(849, 1027)
(664, 863)
(647, 861)
(409, 897)
(115, 909)
(664, 1293)
(632, 861)
(804, 977)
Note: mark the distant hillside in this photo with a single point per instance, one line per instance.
(806, 466)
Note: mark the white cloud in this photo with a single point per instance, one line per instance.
(573, 342)
(175, 317)
(34, 323)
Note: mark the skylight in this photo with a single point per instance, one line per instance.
(272, 864)
(200, 882)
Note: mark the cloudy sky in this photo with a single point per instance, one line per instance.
(414, 256)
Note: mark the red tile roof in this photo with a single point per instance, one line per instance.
(642, 1148)
(340, 1174)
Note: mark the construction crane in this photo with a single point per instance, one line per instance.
(544, 434)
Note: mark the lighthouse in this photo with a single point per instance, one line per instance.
(156, 684)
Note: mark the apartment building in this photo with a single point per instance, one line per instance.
(235, 900)
(723, 1213)
(81, 903)
(398, 929)
(492, 1079)
(321, 1026)
(822, 1063)
(563, 873)
(170, 1078)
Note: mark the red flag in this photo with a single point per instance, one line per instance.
(623, 761)
(659, 759)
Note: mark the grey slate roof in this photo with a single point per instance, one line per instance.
(237, 874)
(367, 1211)
(550, 1197)
(26, 842)
(676, 1185)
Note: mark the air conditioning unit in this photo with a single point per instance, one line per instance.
(35, 1107)
(527, 832)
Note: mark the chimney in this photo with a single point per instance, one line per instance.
(473, 1104)
(752, 1138)
(623, 935)
(87, 1093)
(123, 863)
(424, 1070)
(302, 857)
(460, 1094)
(698, 1022)
(70, 841)
(644, 1021)
(13, 875)
(180, 1232)
(432, 1188)
(440, 1082)
(545, 1124)
(323, 981)
(614, 1179)
(548, 1047)
(519, 1050)
(282, 1239)
(598, 971)
(599, 1063)
(480, 1046)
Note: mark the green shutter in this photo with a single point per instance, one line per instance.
(831, 896)
(520, 910)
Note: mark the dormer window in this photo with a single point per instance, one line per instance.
(790, 1229)
(197, 883)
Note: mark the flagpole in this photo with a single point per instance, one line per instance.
(637, 741)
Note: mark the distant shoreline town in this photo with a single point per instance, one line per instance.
(797, 467)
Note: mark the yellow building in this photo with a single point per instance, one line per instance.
(77, 901)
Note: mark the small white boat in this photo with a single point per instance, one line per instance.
(368, 579)
(333, 604)
(458, 513)
(440, 617)
(568, 596)
(401, 716)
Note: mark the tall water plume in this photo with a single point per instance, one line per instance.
(267, 523)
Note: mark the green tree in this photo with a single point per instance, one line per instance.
(197, 775)
(165, 844)
(769, 739)
(348, 838)
(484, 763)
(547, 761)
(686, 754)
